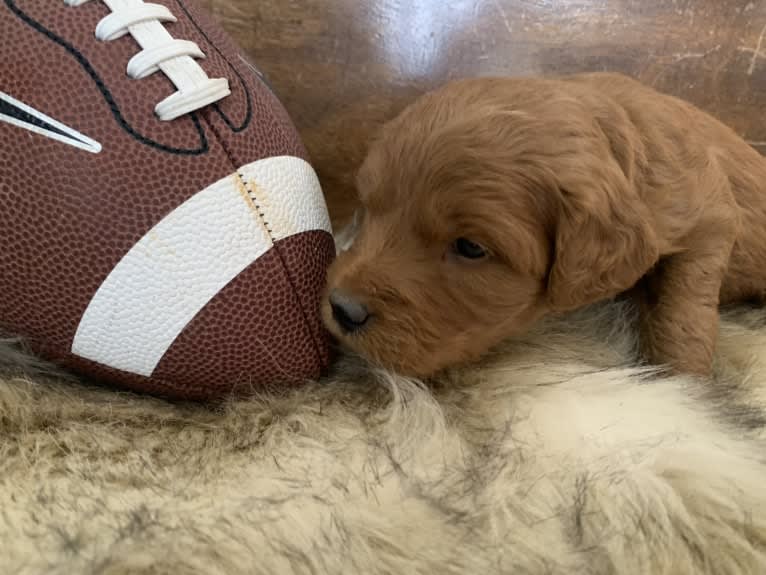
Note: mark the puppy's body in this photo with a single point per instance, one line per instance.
(694, 174)
(578, 189)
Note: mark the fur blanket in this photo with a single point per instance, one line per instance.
(553, 457)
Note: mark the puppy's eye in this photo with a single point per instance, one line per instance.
(467, 249)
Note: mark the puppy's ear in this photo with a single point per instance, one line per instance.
(604, 237)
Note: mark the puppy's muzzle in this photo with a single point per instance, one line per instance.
(348, 312)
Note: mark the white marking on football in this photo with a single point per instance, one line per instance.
(287, 192)
(169, 275)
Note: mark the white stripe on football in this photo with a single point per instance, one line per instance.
(169, 275)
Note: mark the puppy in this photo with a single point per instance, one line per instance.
(493, 202)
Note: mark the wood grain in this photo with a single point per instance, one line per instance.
(342, 67)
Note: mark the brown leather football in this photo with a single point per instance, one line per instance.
(160, 225)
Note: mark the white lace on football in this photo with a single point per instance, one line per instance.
(160, 51)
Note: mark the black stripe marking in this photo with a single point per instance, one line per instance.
(8, 109)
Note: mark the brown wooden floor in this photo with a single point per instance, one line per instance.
(342, 67)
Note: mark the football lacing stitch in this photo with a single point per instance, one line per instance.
(161, 52)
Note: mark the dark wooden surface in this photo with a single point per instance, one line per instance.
(342, 67)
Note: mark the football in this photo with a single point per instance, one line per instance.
(161, 227)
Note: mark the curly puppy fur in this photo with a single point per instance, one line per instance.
(579, 188)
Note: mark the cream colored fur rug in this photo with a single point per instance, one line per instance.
(555, 457)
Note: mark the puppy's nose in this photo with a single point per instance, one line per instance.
(349, 313)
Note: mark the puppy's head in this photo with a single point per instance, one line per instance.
(483, 210)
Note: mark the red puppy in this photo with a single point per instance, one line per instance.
(493, 202)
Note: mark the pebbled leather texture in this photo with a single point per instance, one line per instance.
(69, 217)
